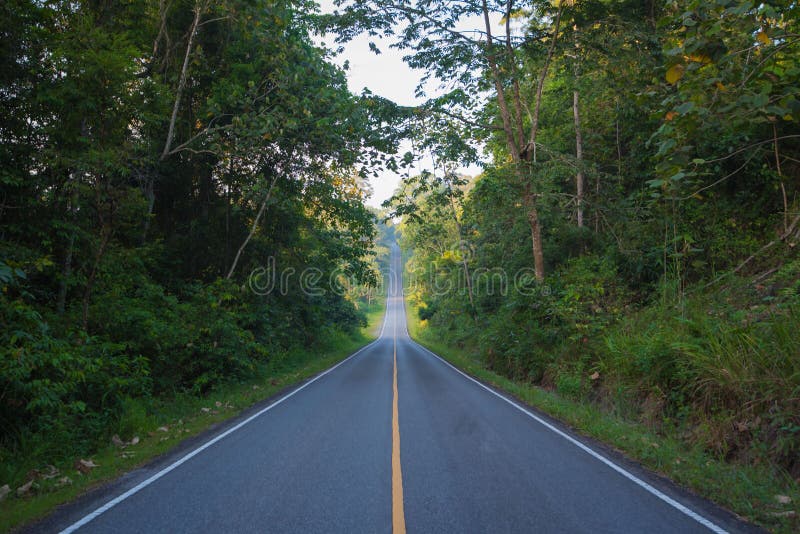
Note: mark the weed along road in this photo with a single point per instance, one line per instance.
(392, 439)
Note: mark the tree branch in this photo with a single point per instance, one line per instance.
(467, 121)
(198, 11)
(540, 85)
(498, 84)
(253, 228)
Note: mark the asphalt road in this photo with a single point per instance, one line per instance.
(392, 439)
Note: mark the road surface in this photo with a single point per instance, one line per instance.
(392, 439)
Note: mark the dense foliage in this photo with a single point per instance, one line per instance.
(632, 240)
(154, 154)
(651, 151)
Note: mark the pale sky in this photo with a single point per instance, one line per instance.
(386, 75)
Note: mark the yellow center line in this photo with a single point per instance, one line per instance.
(398, 515)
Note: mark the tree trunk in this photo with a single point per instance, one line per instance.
(530, 196)
(505, 115)
(150, 195)
(468, 279)
(596, 203)
(515, 77)
(105, 236)
(66, 272)
(163, 7)
(253, 228)
(513, 145)
(228, 212)
(579, 178)
(537, 106)
(198, 11)
(619, 145)
(780, 176)
(536, 240)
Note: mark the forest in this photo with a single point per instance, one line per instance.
(630, 244)
(632, 241)
(154, 154)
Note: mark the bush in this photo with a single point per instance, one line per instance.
(722, 368)
(67, 389)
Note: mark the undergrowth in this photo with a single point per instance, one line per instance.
(135, 429)
(712, 376)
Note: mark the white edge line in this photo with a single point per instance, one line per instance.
(115, 501)
(630, 476)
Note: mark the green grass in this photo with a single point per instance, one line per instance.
(749, 491)
(163, 425)
(374, 315)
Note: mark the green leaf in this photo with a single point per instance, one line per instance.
(675, 73)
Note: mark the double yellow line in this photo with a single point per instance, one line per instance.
(398, 515)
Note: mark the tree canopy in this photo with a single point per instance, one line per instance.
(155, 154)
(630, 241)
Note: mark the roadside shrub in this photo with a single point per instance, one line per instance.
(570, 385)
(68, 389)
(719, 368)
(752, 374)
(61, 385)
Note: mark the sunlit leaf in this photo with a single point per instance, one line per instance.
(675, 73)
(699, 58)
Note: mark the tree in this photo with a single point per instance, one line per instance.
(154, 155)
(440, 197)
(471, 58)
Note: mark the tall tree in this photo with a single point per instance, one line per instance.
(431, 32)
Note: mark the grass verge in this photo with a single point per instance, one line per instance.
(757, 493)
(161, 425)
